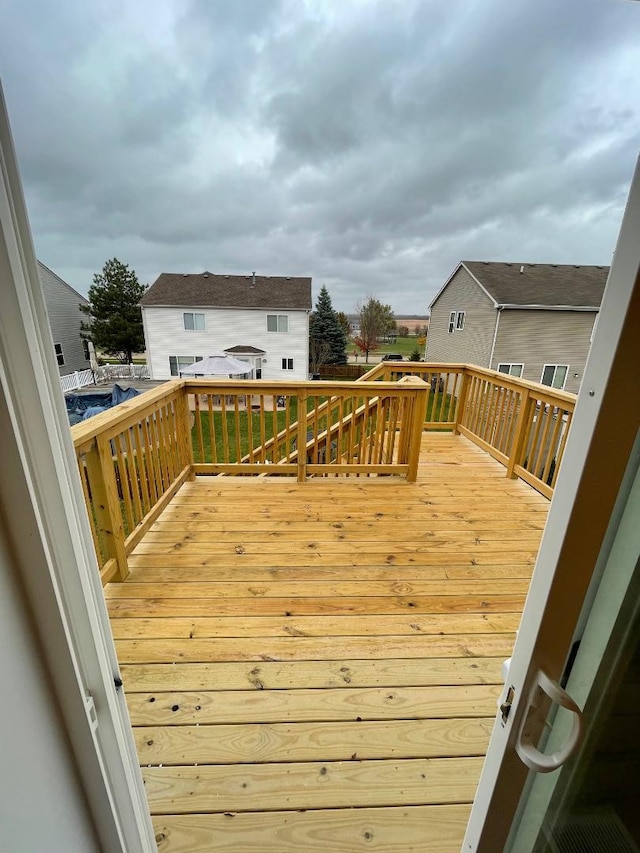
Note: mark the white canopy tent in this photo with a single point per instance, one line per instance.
(218, 364)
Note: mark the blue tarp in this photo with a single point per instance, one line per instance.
(83, 406)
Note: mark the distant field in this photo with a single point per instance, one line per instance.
(403, 346)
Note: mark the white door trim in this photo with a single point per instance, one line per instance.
(598, 450)
(45, 514)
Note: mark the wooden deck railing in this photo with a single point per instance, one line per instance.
(251, 427)
(522, 424)
(134, 458)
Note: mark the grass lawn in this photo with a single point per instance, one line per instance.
(243, 429)
(403, 346)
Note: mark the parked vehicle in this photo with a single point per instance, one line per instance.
(392, 356)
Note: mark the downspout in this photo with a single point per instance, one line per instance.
(495, 336)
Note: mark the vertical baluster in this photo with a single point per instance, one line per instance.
(250, 428)
(302, 435)
(143, 472)
(226, 455)
(263, 431)
(151, 462)
(82, 465)
(287, 427)
(135, 475)
(236, 423)
(553, 443)
(212, 430)
(274, 421)
(199, 428)
(563, 442)
(122, 477)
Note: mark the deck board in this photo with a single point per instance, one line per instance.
(316, 665)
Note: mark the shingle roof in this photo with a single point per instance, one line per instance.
(246, 350)
(541, 284)
(202, 290)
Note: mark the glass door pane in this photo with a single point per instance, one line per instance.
(593, 802)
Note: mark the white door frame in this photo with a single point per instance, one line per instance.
(41, 498)
(597, 455)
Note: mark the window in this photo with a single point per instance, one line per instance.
(277, 323)
(177, 362)
(555, 375)
(85, 349)
(456, 321)
(193, 322)
(59, 354)
(512, 369)
(287, 364)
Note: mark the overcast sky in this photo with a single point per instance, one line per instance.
(371, 145)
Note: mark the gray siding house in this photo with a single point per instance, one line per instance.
(530, 320)
(65, 320)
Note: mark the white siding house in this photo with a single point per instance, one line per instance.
(263, 320)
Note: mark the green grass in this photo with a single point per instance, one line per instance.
(243, 429)
(403, 346)
(435, 409)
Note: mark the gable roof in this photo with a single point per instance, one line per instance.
(207, 290)
(540, 285)
(245, 350)
(43, 271)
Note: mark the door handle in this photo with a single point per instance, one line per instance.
(528, 753)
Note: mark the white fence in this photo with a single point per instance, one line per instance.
(109, 372)
(79, 379)
(105, 373)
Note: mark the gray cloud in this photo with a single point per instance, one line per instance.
(371, 145)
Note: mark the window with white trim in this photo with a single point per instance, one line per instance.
(456, 321)
(287, 364)
(193, 321)
(277, 323)
(178, 362)
(511, 367)
(59, 354)
(554, 375)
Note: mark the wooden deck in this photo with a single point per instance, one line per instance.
(315, 666)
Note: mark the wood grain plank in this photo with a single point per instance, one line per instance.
(312, 589)
(328, 705)
(291, 675)
(314, 626)
(428, 829)
(257, 743)
(225, 788)
(192, 607)
(312, 648)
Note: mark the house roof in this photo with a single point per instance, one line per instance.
(543, 285)
(43, 267)
(208, 290)
(245, 350)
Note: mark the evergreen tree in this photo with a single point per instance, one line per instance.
(325, 329)
(116, 318)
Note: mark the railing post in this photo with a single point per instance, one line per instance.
(302, 436)
(461, 401)
(184, 431)
(520, 433)
(416, 425)
(106, 505)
